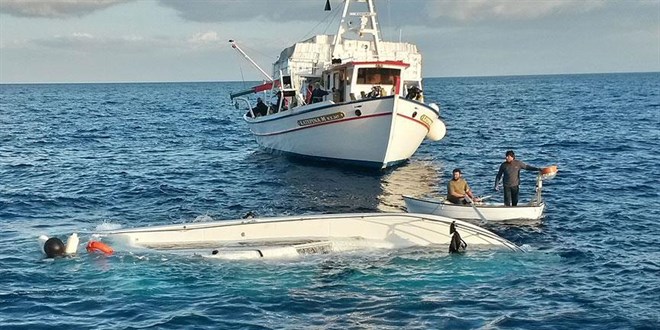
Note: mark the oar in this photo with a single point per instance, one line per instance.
(481, 216)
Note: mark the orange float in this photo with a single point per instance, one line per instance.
(94, 246)
(549, 172)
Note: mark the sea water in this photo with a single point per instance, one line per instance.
(84, 157)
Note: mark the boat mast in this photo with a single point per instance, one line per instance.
(238, 49)
(374, 30)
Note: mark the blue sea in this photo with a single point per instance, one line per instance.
(83, 157)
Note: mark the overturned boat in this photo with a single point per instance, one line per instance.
(348, 98)
(484, 210)
(286, 237)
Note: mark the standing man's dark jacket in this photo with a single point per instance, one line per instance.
(511, 172)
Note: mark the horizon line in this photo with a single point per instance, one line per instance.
(240, 81)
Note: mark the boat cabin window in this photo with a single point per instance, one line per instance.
(286, 81)
(377, 76)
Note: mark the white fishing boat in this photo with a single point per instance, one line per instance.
(286, 237)
(484, 210)
(374, 114)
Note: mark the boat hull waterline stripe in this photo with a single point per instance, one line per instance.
(297, 113)
(339, 122)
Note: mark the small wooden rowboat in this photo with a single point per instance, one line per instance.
(484, 211)
(490, 211)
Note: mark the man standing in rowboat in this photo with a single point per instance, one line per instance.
(510, 169)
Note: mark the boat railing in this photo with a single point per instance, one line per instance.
(539, 188)
(248, 105)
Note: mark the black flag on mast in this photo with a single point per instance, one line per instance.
(327, 5)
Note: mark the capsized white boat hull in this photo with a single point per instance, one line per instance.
(371, 132)
(492, 212)
(289, 236)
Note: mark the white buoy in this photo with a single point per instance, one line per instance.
(42, 240)
(437, 131)
(72, 244)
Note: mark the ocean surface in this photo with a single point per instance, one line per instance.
(84, 157)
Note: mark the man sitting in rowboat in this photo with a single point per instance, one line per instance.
(458, 188)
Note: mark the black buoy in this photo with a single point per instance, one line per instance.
(54, 247)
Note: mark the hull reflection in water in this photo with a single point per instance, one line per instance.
(415, 178)
(333, 190)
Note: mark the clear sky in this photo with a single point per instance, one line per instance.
(186, 40)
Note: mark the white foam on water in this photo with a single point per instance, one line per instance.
(105, 226)
(203, 218)
(527, 248)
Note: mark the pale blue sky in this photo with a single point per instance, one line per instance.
(171, 40)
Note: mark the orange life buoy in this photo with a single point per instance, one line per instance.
(549, 170)
(94, 246)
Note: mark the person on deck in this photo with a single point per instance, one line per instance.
(285, 103)
(458, 188)
(318, 93)
(414, 93)
(308, 94)
(261, 109)
(510, 170)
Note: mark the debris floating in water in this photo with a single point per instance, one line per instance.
(96, 246)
